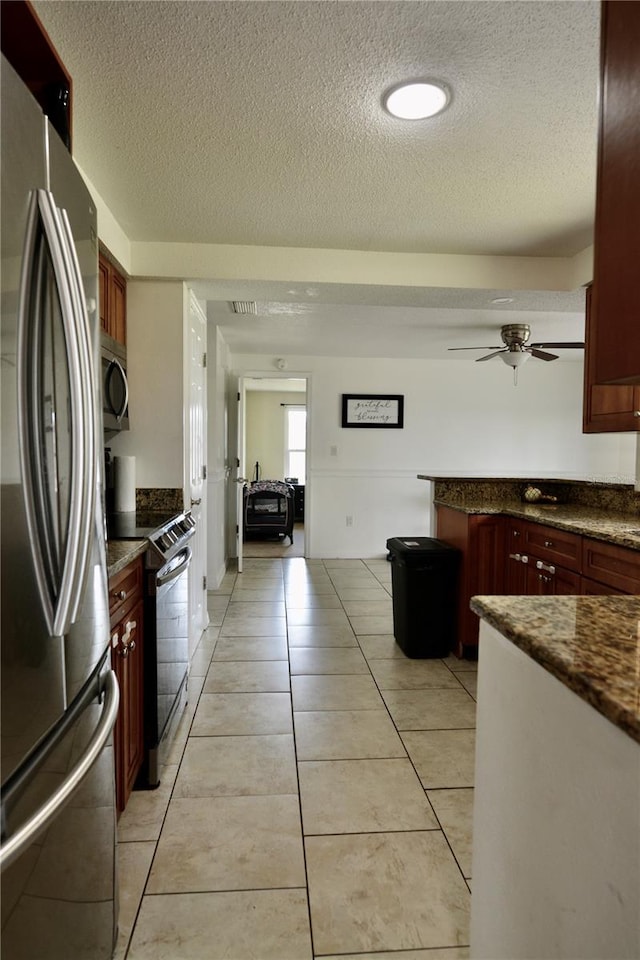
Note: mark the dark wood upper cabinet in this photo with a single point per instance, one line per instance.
(28, 48)
(606, 408)
(113, 300)
(615, 329)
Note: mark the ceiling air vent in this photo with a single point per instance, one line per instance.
(243, 306)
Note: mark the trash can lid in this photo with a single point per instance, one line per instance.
(418, 546)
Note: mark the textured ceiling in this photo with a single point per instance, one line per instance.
(261, 122)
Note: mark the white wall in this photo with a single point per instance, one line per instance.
(265, 431)
(155, 372)
(460, 418)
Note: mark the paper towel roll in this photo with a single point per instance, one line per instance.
(124, 484)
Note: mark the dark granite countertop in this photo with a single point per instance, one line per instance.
(603, 511)
(622, 529)
(591, 644)
(120, 553)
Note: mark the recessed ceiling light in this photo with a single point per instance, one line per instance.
(502, 300)
(417, 100)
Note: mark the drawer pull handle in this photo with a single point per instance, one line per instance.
(548, 543)
(120, 595)
(636, 413)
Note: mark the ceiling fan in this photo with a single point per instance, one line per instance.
(517, 348)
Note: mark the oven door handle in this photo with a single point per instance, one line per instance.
(174, 571)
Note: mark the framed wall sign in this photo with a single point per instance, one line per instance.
(373, 410)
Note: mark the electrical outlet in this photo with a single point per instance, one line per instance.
(349, 519)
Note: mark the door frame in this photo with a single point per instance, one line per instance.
(240, 450)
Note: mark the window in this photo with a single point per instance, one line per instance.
(295, 463)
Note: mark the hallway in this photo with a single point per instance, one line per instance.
(317, 800)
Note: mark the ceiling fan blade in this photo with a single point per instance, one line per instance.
(541, 355)
(560, 346)
(490, 355)
(472, 348)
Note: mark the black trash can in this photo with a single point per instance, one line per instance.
(424, 578)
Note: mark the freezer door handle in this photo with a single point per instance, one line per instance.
(23, 837)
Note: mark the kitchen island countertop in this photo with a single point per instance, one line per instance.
(590, 644)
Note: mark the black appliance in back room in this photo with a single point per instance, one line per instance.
(59, 694)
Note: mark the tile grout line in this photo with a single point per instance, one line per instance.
(297, 763)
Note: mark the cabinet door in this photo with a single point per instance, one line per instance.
(487, 552)
(566, 583)
(127, 654)
(103, 294)
(113, 301)
(616, 292)
(515, 572)
(614, 566)
(118, 307)
(551, 581)
(606, 408)
(452, 526)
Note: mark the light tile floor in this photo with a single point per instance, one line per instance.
(317, 800)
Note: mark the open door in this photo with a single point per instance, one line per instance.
(240, 478)
(196, 459)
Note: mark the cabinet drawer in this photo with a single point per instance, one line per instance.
(125, 589)
(614, 566)
(554, 546)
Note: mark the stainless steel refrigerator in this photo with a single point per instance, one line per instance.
(59, 695)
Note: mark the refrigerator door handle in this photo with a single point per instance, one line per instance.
(23, 837)
(58, 589)
(89, 399)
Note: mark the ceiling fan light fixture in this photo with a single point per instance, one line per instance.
(416, 100)
(515, 358)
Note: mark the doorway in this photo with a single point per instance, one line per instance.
(275, 445)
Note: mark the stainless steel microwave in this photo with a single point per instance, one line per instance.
(115, 389)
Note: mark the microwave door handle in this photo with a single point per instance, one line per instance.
(125, 403)
(56, 590)
(43, 816)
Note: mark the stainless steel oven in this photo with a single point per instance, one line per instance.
(166, 654)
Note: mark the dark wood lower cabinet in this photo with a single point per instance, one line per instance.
(480, 539)
(505, 555)
(127, 649)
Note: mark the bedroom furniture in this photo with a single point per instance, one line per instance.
(269, 509)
